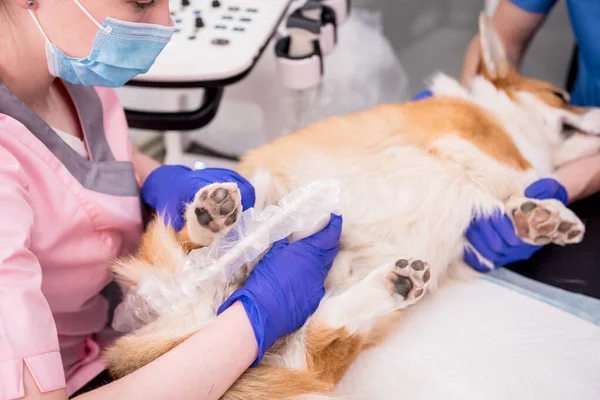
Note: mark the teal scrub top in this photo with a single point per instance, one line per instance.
(585, 21)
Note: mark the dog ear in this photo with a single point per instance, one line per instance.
(493, 63)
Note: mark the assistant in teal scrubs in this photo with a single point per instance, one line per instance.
(585, 21)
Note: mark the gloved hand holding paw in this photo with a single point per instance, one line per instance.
(170, 187)
(495, 238)
(286, 286)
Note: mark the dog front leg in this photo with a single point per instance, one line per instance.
(212, 213)
(540, 222)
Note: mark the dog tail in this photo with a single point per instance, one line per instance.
(131, 352)
(275, 383)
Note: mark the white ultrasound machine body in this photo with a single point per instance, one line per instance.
(215, 39)
(216, 44)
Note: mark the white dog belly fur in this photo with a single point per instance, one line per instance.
(405, 203)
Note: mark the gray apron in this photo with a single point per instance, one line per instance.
(102, 172)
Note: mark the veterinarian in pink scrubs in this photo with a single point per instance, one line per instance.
(70, 194)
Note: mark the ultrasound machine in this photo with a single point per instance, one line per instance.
(217, 43)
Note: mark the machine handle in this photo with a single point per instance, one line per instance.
(180, 120)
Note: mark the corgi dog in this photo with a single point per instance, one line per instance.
(415, 174)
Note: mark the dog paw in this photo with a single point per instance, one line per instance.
(214, 210)
(218, 206)
(408, 280)
(540, 222)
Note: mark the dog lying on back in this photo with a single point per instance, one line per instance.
(415, 174)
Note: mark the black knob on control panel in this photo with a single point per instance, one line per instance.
(216, 3)
(199, 23)
(185, 3)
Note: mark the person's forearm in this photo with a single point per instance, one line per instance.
(515, 27)
(581, 177)
(514, 55)
(32, 392)
(470, 62)
(143, 164)
(202, 367)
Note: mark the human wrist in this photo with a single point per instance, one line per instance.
(257, 317)
(242, 325)
(581, 178)
(143, 165)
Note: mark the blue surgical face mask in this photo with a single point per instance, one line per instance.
(121, 50)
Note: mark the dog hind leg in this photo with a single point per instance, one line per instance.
(361, 316)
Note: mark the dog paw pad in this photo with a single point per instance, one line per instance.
(217, 206)
(409, 279)
(541, 222)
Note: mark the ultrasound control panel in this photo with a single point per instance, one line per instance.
(215, 39)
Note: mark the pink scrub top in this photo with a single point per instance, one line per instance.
(63, 219)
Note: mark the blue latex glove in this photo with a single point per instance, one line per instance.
(423, 95)
(286, 286)
(170, 187)
(495, 238)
